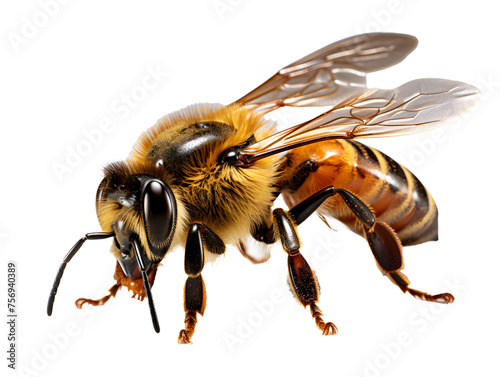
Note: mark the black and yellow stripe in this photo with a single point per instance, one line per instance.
(396, 196)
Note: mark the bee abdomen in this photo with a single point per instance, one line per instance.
(396, 196)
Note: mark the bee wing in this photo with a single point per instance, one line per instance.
(416, 106)
(331, 74)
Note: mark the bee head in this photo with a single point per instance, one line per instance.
(135, 202)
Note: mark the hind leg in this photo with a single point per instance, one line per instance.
(384, 242)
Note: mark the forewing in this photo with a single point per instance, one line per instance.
(416, 106)
(331, 74)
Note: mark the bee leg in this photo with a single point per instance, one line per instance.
(194, 302)
(112, 293)
(302, 279)
(383, 240)
(388, 252)
(400, 279)
(199, 238)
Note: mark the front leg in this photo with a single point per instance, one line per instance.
(199, 238)
(194, 302)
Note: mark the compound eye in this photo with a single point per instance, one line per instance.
(160, 215)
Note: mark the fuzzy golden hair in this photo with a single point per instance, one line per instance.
(245, 122)
(229, 200)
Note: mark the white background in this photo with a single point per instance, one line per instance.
(70, 72)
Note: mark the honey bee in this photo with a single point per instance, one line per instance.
(207, 176)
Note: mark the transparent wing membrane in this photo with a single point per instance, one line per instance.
(331, 74)
(416, 106)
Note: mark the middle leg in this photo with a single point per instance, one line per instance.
(302, 279)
